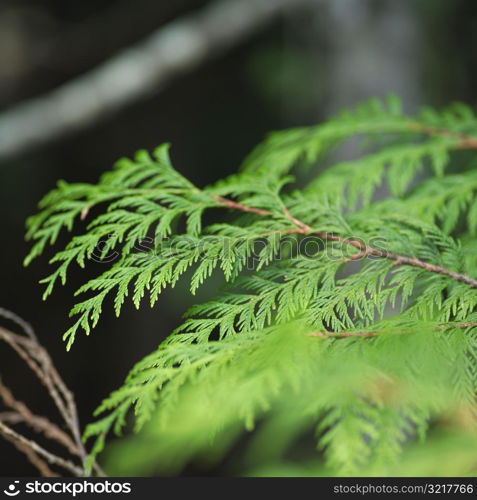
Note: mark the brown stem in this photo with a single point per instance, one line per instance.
(39, 361)
(365, 251)
(343, 335)
(36, 422)
(465, 141)
(398, 260)
(10, 434)
(24, 325)
(239, 206)
(36, 358)
(32, 457)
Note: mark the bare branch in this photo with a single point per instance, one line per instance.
(24, 325)
(144, 68)
(32, 457)
(38, 360)
(37, 423)
(12, 435)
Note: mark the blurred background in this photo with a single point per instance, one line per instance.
(84, 83)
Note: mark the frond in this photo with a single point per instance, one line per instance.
(349, 300)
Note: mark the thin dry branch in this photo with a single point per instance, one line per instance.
(37, 423)
(24, 325)
(38, 360)
(32, 457)
(29, 444)
(144, 68)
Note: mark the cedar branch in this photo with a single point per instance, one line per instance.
(364, 250)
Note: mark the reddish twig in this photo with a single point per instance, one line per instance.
(464, 141)
(365, 250)
(342, 335)
(239, 206)
(397, 259)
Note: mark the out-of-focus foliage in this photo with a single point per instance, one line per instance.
(364, 354)
(363, 399)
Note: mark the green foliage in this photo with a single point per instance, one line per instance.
(348, 312)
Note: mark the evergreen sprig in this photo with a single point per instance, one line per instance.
(343, 312)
